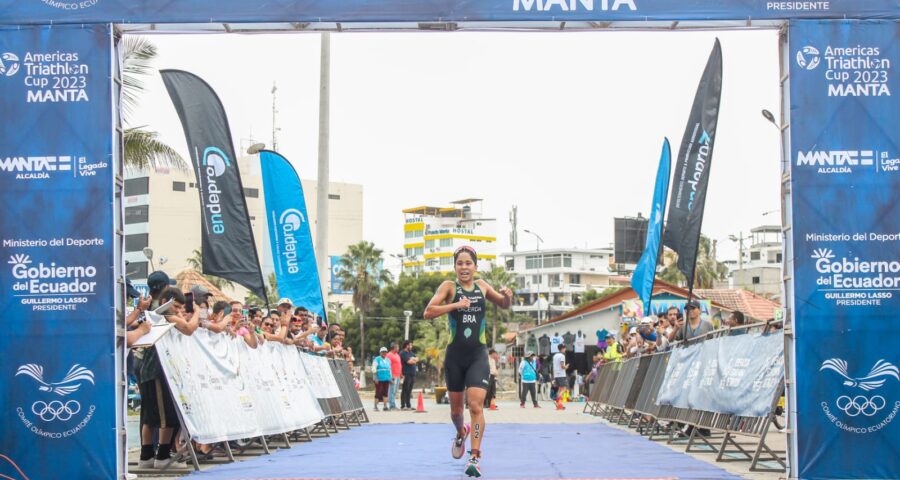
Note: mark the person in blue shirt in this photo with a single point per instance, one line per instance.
(381, 373)
(528, 371)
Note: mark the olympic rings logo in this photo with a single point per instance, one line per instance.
(860, 405)
(55, 410)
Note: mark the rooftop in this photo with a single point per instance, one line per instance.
(749, 303)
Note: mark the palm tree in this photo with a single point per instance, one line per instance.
(142, 148)
(360, 272)
(706, 273)
(271, 293)
(498, 277)
(195, 261)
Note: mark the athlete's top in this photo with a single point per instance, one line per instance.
(467, 325)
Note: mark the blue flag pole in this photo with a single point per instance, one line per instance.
(644, 275)
(289, 234)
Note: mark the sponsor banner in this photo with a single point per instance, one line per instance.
(645, 272)
(229, 250)
(226, 390)
(289, 234)
(203, 11)
(56, 242)
(337, 288)
(845, 175)
(692, 167)
(736, 374)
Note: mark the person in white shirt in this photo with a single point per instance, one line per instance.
(559, 375)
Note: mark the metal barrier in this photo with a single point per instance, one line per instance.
(626, 393)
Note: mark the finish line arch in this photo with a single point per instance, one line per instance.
(61, 158)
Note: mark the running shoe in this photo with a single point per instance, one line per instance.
(472, 468)
(459, 444)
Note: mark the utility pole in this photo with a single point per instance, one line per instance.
(514, 234)
(323, 185)
(274, 119)
(407, 314)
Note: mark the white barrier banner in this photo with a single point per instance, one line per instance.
(226, 390)
(322, 379)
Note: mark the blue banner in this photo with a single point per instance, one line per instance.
(57, 366)
(337, 288)
(237, 11)
(845, 179)
(289, 235)
(645, 272)
(737, 374)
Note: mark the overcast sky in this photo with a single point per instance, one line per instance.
(568, 126)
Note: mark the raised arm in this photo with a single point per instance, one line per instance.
(440, 302)
(502, 299)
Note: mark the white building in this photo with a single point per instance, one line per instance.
(162, 211)
(759, 268)
(432, 234)
(552, 282)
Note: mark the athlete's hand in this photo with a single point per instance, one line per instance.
(464, 302)
(506, 292)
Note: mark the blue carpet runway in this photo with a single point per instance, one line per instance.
(511, 451)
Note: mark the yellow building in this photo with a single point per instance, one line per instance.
(432, 234)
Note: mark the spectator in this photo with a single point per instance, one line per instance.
(273, 329)
(735, 322)
(694, 327)
(381, 374)
(317, 342)
(396, 372)
(559, 375)
(614, 350)
(158, 408)
(409, 361)
(240, 325)
(493, 357)
(135, 318)
(528, 374)
(217, 320)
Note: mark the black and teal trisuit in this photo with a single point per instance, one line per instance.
(466, 363)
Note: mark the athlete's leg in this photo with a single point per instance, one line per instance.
(476, 411)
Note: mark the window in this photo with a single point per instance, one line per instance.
(251, 192)
(429, 243)
(409, 252)
(574, 278)
(511, 265)
(136, 270)
(520, 282)
(778, 258)
(139, 214)
(567, 260)
(754, 255)
(419, 251)
(536, 279)
(409, 234)
(552, 261)
(446, 242)
(178, 187)
(446, 260)
(136, 242)
(137, 186)
(332, 196)
(756, 280)
(432, 262)
(532, 262)
(553, 279)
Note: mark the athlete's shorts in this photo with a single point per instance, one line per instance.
(561, 382)
(467, 369)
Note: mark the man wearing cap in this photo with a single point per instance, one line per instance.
(528, 373)
(694, 326)
(613, 352)
(381, 371)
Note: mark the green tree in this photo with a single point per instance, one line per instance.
(498, 277)
(706, 273)
(271, 293)
(361, 274)
(142, 147)
(432, 341)
(591, 294)
(195, 261)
